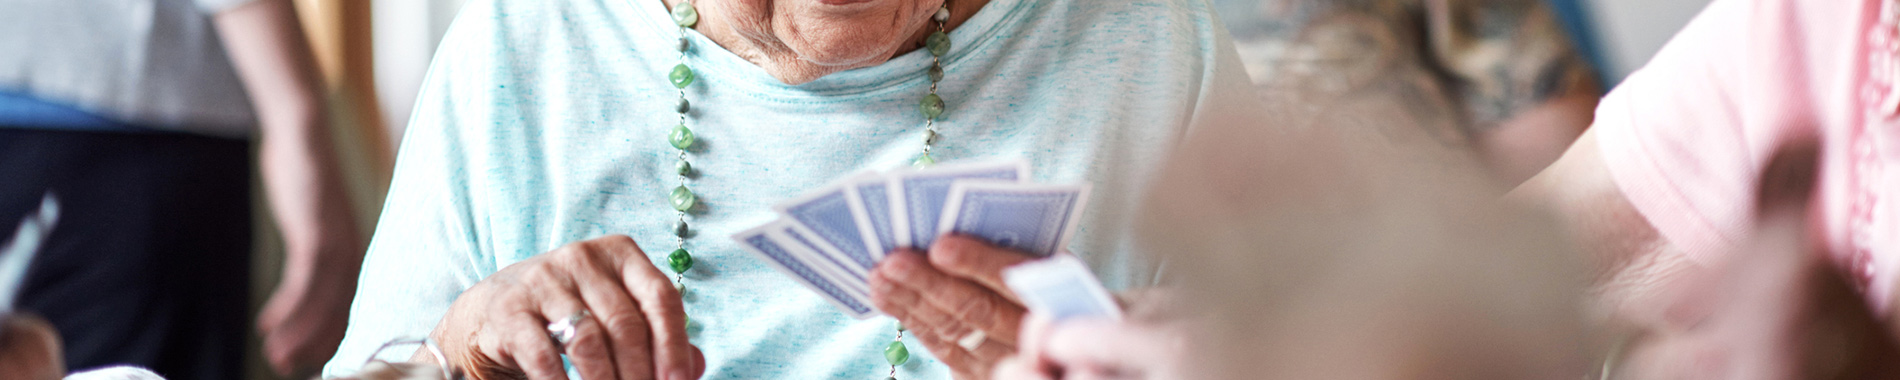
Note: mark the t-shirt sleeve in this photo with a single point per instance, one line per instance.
(1686, 135)
(426, 250)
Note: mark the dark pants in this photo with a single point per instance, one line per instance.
(149, 262)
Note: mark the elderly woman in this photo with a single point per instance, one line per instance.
(562, 148)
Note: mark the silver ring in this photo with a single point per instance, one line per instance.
(563, 331)
(971, 341)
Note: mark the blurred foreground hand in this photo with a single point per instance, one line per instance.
(1324, 254)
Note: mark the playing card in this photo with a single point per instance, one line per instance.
(869, 199)
(760, 241)
(1032, 218)
(1061, 287)
(825, 216)
(918, 197)
(840, 269)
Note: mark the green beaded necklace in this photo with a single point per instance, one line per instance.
(681, 138)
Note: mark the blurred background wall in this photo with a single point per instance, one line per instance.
(1630, 31)
(374, 54)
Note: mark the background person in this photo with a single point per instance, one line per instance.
(1663, 191)
(138, 117)
(1500, 79)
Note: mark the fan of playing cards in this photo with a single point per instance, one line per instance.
(831, 239)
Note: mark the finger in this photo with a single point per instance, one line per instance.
(589, 348)
(660, 303)
(597, 281)
(977, 261)
(1017, 368)
(972, 304)
(1029, 346)
(907, 306)
(977, 361)
(699, 363)
(1098, 343)
(529, 348)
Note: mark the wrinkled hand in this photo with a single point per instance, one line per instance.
(304, 320)
(954, 291)
(497, 329)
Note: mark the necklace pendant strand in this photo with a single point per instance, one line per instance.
(682, 139)
(938, 43)
(896, 353)
(932, 106)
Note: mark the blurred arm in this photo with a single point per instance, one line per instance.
(1635, 263)
(1528, 92)
(304, 320)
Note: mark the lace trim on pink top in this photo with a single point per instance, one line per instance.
(1881, 99)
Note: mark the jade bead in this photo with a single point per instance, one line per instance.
(896, 354)
(923, 162)
(932, 106)
(683, 168)
(938, 43)
(681, 138)
(685, 15)
(685, 44)
(681, 76)
(683, 199)
(683, 106)
(936, 73)
(680, 260)
(681, 229)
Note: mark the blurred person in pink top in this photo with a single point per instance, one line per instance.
(1663, 188)
(1740, 194)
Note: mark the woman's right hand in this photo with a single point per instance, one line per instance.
(634, 328)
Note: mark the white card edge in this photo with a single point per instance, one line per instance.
(763, 231)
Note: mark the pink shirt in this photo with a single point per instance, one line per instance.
(1687, 135)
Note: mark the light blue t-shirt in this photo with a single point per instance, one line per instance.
(544, 122)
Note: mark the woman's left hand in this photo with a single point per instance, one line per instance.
(954, 301)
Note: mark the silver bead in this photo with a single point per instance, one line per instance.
(943, 15)
(685, 44)
(930, 137)
(684, 106)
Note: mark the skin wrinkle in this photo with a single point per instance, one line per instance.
(798, 41)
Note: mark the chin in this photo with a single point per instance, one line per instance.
(848, 32)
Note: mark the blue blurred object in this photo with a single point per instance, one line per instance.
(25, 111)
(1575, 16)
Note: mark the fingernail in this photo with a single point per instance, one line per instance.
(678, 374)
